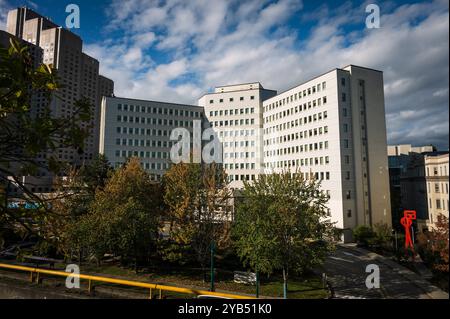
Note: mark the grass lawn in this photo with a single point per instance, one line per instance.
(308, 287)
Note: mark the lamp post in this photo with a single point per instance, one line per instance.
(257, 283)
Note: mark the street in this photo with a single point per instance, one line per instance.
(346, 271)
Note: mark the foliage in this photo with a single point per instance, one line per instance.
(364, 235)
(96, 173)
(433, 246)
(383, 236)
(124, 218)
(282, 223)
(25, 133)
(198, 213)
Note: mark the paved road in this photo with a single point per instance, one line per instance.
(347, 277)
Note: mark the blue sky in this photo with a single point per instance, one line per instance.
(175, 50)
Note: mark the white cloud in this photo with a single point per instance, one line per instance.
(211, 42)
(4, 8)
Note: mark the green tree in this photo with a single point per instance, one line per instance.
(25, 134)
(96, 173)
(124, 218)
(199, 211)
(281, 224)
(364, 235)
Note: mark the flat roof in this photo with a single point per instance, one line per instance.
(152, 101)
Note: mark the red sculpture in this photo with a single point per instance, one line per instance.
(406, 221)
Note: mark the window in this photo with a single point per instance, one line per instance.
(343, 81)
(346, 143)
(211, 101)
(349, 195)
(344, 97)
(438, 204)
(436, 188)
(242, 98)
(349, 213)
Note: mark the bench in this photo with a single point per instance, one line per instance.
(42, 261)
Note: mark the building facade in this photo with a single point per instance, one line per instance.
(143, 129)
(399, 157)
(77, 72)
(332, 128)
(235, 113)
(424, 187)
(436, 167)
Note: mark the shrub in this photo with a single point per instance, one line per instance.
(383, 235)
(364, 236)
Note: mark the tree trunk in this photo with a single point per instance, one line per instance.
(285, 282)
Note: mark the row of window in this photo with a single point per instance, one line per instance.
(296, 136)
(438, 204)
(237, 144)
(239, 166)
(158, 110)
(437, 171)
(242, 111)
(153, 121)
(318, 146)
(142, 154)
(313, 161)
(233, 122)
(142, 131)
(237, 133)
(239, 155)
(297, 96)
(295, 110)
(143, 143)
(231, 99)
(439, 188)
(295, 123)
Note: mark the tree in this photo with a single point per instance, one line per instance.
(26, 134)
(95, 174)
(124, 218)
(434, 245)
(198, 204)
(281, 223)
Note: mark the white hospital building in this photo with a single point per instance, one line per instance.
(331, 128)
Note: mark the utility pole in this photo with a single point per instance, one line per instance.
(213, 247)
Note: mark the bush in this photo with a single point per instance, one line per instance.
(383, 235)
(364, 236)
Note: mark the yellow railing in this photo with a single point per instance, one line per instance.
(91, 279)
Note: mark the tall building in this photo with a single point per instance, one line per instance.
(143, 129)
(78, 73)
(332, 128)
(236, 114)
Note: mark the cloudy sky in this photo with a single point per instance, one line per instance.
(176, 50)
